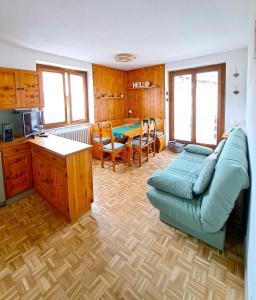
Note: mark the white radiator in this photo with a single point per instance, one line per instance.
(76, 133)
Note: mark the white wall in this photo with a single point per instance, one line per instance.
(250, 283)
(235, 104)
(21, 58)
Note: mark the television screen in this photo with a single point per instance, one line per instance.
(30, 122)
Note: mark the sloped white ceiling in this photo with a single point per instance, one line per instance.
(156, 31)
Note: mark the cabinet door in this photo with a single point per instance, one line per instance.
(9, 89)
(17, 173)
(59, 195)
(41, 172)
(30, 92)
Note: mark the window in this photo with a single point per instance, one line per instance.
(65, 96)
(197, 104)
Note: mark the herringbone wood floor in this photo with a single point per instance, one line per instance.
(120, 250)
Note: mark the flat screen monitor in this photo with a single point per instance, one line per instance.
(30, 122)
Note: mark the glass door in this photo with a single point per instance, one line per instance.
(197, 104)
(183, 99)
(206, 107)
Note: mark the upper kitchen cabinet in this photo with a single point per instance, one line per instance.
(29, 89)
(19, 89)
(9, 89)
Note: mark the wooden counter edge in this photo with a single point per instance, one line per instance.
(86, 147)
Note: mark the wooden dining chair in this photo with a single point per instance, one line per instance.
(140, 145)
(152, 139)
(113, 149)
(95, 140)
(160, 135)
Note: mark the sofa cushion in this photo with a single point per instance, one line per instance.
(187, 165)
(235, 149)
(198, 149)
(220, 146)
(172, 184)
(180, 209)
(205, 175)
(229, 179)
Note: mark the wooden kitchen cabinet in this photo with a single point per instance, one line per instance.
(19, 89)
(41, 175)
(63, 174)
(17, 167)
(29, 89)
(59, 193)
(58, 168)
(9, 89)
(50, 179)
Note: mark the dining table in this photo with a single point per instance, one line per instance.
(130, 131)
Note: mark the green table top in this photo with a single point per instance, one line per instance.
(119, 132)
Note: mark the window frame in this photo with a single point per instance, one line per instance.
(221, 69)
(67, 98)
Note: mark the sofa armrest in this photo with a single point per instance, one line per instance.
(171, 184)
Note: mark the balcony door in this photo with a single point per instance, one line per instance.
(197, 103)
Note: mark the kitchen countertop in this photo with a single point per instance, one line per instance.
(60, 146)
(16, 141)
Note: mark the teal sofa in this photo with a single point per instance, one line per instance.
(204, 216)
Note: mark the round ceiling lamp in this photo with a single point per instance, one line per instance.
(124, 57)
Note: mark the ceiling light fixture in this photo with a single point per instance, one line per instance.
(124, 57)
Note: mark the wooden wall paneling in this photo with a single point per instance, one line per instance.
(111, 82)
(147, 102)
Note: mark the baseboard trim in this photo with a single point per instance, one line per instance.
(19, 196)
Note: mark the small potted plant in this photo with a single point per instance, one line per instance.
(129, 115)
(129, 112)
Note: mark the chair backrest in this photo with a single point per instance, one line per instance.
(160, 124)
(144, 131)
(152, 127)
(105, 130)
(94, 131)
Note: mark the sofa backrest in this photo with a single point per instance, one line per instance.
(230, 177)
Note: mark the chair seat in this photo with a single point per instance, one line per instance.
(144, 138)
(104, 140)
(136, 143)
(117, 146)
(158, 133)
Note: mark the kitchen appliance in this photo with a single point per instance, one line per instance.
(7, 132)
(32, 123)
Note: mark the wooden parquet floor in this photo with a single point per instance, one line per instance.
(119, 250)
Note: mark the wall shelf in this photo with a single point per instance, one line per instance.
(144, 88)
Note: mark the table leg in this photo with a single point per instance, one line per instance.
(129, 152)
